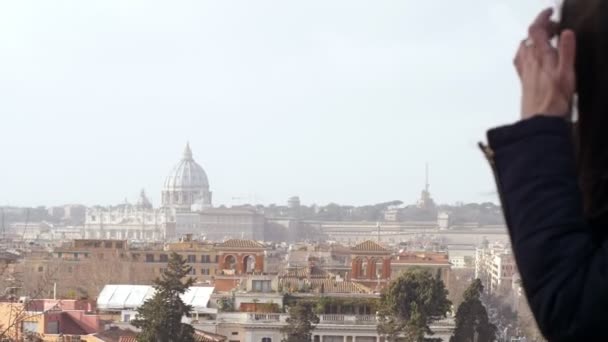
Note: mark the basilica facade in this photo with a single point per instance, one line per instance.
(186, 208)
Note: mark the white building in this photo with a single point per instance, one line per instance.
(495, 266)
(462, 256)
(138, 221)
(186, 209)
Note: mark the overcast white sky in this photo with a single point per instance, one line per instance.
(334, 101)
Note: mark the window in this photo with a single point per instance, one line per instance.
(30, 327)
(205, 259)
(261, 285)
(75, 255)
(204, 271)
(164, 258)
(161, 270)
(235, 333)
(149, 257)
(191, 258)
(266, 339)
(119, 244)
(107, 244)
(192, 271)
(40, 268)
(217, 258)
(333, 339)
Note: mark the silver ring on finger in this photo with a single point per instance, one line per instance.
(528, 42)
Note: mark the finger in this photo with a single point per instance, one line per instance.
(542, 29)
(566, 52)
(517, 61)
(542, 20)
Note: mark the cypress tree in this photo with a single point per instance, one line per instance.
(160, 317)
(472, 322)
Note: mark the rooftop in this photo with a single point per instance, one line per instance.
(423, 258)
(238, 243)
(369, 246)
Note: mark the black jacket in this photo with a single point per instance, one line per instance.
(564, 270)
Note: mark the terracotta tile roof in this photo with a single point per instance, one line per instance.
(127, 339)
(324, 285)
(116, 335)
(332, 286)
(203, 336)
(318, 280)
(238, 243)
(199, 336)
(369, 246)
(421, 258)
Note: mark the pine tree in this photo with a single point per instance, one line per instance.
(160, 317)
(472, 323)
(410, 303)
(300, 324)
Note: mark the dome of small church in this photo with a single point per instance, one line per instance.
(186, 184)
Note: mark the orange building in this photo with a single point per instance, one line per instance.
(236, 260)
(370, 264)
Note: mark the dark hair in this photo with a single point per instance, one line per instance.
(589, 21)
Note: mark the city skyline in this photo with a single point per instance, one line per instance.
(327, 102)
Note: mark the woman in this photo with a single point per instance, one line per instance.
(552, 175)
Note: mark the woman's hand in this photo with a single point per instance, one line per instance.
(546, 73)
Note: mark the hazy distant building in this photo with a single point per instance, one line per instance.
(138, 221)
(74, 213)
(186, 209)
(426, 201)
(56, 212)
(186, 186)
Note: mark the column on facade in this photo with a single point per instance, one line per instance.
(371, 266)
(355, 268)
(220, 262)
(386, 268)
(240, 264)
(259, 263)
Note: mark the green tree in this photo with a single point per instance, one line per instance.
(301, 322)
(160, 317)
(472, 323)
(225, 304)
(410, 303)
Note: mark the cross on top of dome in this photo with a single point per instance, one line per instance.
(187, 152)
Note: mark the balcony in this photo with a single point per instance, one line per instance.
(266, 317)
(324, 319)
(347, 319)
